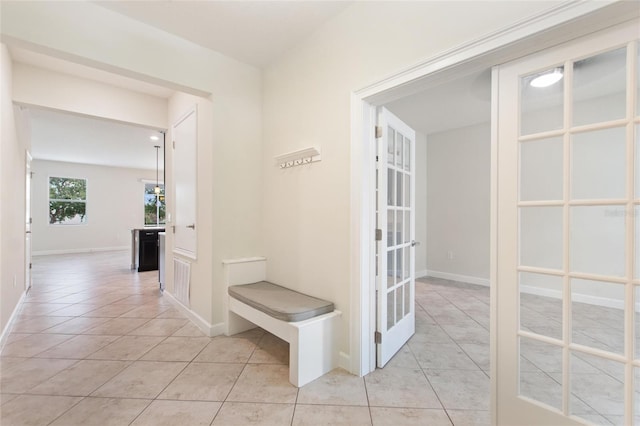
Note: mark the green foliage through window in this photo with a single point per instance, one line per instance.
(154, 205)
(67, 201)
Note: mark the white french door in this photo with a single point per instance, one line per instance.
(395, 250)
(28, 221)
(568, 233)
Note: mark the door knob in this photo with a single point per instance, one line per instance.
(192, 226)
(415, 243)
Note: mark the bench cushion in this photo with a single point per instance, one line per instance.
(279, 302)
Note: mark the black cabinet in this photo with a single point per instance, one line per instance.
(148, 248)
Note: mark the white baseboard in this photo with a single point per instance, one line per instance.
(81, 250)
(7, 328)
(422, 274)
(577, 297)
(457, 277)
(204, 326)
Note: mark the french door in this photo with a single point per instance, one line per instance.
(395, 250)
(568, 233)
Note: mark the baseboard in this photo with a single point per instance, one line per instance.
(204, 326)
(422, 274)
(576, 297)
(75, 251)
(457, 277)
(7, 330)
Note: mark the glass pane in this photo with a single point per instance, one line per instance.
(541, 372)
(638, 81)
(637, 162)
(597, 314)
(399, 227)
(541, 304)
(407, 154)
(636, 319)
(391, 214)
(390, 311)
(407, 225)
(407, 299)
(67, 212)
(599, 85)
(636, 257)
(391, 137)
(636, 396)
(541, 108)
(598, 164)
(541, 237)
(596, 394)
(399, 149)
(407, 190)
(597, 239)
(391, 186)
(390, 268)
(399, 265)
(541, 169)
(399, 303)
(407, 261)
(399, 192)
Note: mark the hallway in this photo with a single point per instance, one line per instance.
(97, 344)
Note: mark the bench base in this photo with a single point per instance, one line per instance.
(313, 343)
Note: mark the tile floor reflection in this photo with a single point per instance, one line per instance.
(96, 344)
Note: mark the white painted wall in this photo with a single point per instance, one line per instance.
(37, 86)
(307, 102)
(458, 195)
(115, 199)
(12, 201)
(421, 205)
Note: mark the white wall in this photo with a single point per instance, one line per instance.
(458, 178)
(307, 102)
(115, 198)
(12, 200)
(421, 205)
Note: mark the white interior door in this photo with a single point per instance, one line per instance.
(568, 234)
(28, 222)
(395, 278)
(185, 180)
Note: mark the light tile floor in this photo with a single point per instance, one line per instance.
(97, 344)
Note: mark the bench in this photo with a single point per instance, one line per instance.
(310, 325)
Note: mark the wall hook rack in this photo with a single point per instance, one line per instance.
(298, 158)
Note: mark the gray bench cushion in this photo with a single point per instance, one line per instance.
(279, 302)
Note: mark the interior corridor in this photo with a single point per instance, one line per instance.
(96, 344)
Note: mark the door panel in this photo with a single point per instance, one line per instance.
(396, 278)
(185, 181)
(567, 237)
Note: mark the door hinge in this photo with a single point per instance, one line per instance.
(378, 130)
(30, 220)
(377, 336)
(378, 234)
(173, 227)
(30, 265)
(173, 143)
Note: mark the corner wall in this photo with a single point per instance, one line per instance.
(12, 204)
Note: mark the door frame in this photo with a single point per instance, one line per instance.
(567, 21)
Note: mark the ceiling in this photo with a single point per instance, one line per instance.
(253, 32)
(59, 136)
(457, 103)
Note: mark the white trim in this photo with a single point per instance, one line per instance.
(459, 277)
(606, 302)
(81, 250)
(7, 330)
(204, 326)
(184, 253)
(244, 260)
(569, 20)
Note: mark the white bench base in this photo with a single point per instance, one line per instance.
(313, 343)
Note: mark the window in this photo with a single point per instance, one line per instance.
(67, 201)
(154, 206)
